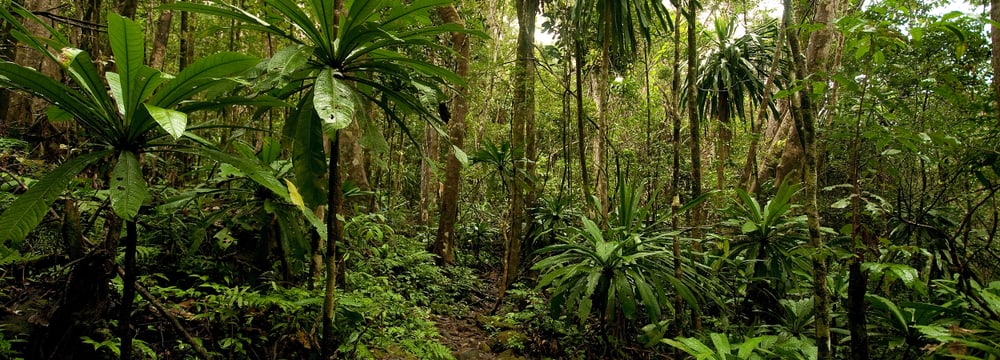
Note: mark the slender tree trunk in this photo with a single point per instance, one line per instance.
(601, 141)
(581, 116)
(91, 40)
(995, 59)
(161, 38)
(428, 179)
(8, 51)
(813, 62)
(187, 40)
(675, 178)
(335, 235)
(128, 292)
(334, 228)
(858, 279)
(693, 116)
(524, 112)
(444, 244)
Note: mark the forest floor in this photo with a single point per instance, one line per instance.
(463, 331)
(464, 336)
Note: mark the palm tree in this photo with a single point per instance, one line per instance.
(124, 113)
(343, 54)
(731, 73)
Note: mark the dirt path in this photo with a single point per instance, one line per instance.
(463, 336)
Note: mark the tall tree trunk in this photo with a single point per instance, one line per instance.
(581, 115)
(524, 112)
(444, 244)
(675, 178)
(601, 140)
(693, 116)
(353, 162)
(335, 235)
(995, 59)
(428, 179)
(858, 279)
(91, 40)
(813, 62)
(8, 51)
(187, 40)
(334, 228)
(161, 38)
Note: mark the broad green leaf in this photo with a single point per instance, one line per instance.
(36, 83)
(626, 296)
(128, 187)
(333, 101)
(29, 209)
(172, 121)
(289, 59)
(647, 296)
(307, 153)
(200, 76)
(128, 47)
(115, 85)
(748, 346)
(721, 343)
(81, 68)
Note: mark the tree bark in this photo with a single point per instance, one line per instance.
(335, 235)
(334, 228)
(187, 40)
(995, 59)
(813, 62)
(353, 161)
(161, 38)
(601, 140)
(128, 292)
(524, 112)
(581, 115)
(693, 116)
(428, 179)
(444, 244)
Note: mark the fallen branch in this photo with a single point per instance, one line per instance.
(173, 320)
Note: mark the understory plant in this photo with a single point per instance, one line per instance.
(618, 273)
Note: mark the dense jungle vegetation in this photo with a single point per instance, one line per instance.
(524, 179)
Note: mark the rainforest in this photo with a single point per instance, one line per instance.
(512, 179)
